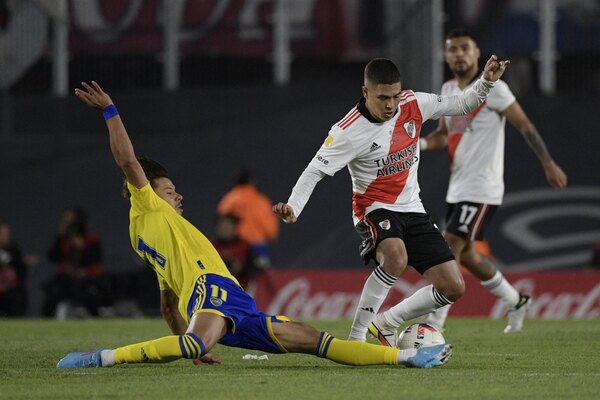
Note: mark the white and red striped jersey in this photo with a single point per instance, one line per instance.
(382, 157)
(476, 147)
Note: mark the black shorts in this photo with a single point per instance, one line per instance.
(424, 243)
(468, 220)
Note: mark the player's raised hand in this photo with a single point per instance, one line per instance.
(93, 95)
(494, 69)
(285, 212)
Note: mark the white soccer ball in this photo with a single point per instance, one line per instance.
(419, 335)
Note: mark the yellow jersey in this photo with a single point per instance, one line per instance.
(177, 251)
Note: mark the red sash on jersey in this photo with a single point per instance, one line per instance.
(387, 188)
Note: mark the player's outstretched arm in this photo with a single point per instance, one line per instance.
(494, 69)
(285, 212)
(120, 144)
(517, 117)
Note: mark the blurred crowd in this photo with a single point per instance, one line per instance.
(245, 228)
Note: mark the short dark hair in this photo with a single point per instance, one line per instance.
(460, 32)
(382, 71)
(152, 169)
(245, 176)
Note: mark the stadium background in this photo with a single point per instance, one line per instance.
(231, 103)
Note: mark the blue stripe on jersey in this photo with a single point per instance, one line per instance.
(150, 252)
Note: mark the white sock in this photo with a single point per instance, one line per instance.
(503, 290)
(437, 318)
(108, 358)
(404, 355)
(422, 302)
(373, 294)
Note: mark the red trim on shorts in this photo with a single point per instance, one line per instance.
(373, 229)
(477, 223)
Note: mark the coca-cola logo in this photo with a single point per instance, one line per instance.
(296, 299)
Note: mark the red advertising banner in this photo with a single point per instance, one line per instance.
(216, 27)
(334, 294)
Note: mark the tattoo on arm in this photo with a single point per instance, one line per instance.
(536, 143)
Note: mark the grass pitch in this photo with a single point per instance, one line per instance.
(548, 360)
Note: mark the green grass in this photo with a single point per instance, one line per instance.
(548, 360)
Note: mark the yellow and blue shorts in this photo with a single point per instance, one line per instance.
(250, 328)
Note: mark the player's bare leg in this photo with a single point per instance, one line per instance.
(492, 279)
(485, 270)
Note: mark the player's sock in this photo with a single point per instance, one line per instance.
(165, 349)
(373, 294)
(437, 318)
(503, 290)
(356, 353)
(108, 358)
(422, 302)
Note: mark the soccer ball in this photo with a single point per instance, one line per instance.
(419, 335)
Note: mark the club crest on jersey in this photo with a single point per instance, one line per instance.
(410, 128)
(215, 301)
(385, 224)
(328, 141)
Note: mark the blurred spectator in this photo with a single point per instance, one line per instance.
(13, 273)
(235, 252)
(258, 225)
(76, 288)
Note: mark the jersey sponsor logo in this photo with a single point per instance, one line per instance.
(397, 162)
(322, 159)
(462, 123)
(200, 264)
(385, 224)
(328, 141)
(389, 177)
(459, 125)
(374, 147)
(410, 128)
(149, 252)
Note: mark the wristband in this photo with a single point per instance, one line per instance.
(423, 143)
(110, 111)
